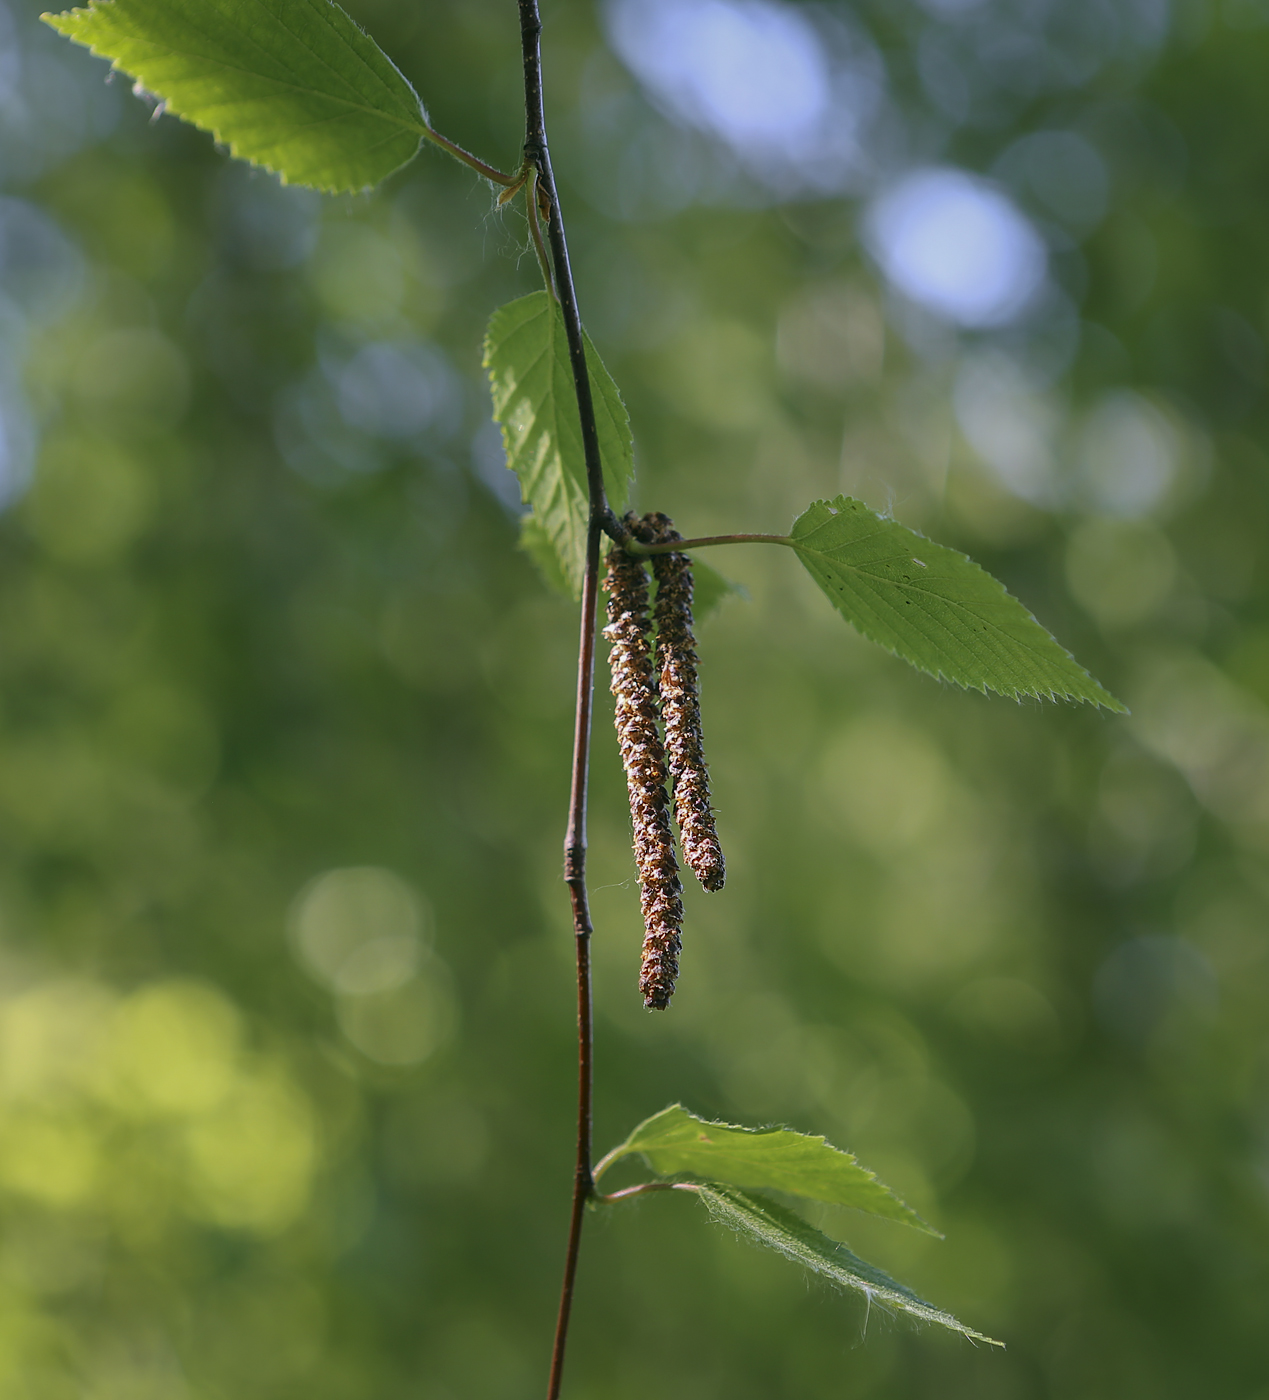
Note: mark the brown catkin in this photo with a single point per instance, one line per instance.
(680, 705)
(642, 756)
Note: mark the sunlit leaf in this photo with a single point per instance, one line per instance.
(675, 1141)
(526, 354)
(292, 85)
(536, 543)
(934, 606)
(766, 1223)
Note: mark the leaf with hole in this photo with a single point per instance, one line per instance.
(531, 380)
(675, 1141)
(765, 1223)
(934, 606)
(292, 85)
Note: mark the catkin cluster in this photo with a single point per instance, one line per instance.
(642, 756)
(645, 694)
(681, 707)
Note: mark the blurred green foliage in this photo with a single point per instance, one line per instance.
(286, 1042)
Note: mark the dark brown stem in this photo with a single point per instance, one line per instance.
(537, 154)
(575, 878)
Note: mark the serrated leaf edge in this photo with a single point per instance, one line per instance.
(421, 129)
(731, 1206)
(1102, 697)
(608, 404)
(629, 1148)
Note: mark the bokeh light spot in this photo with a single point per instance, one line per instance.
(252, 1160)
(404, 1024)
(1120, 572)
(175, 1048)
(1129, 456)
(887, 781)
(1010, 423)
(957, 246)
(1153, 984)
(90, 499)
(394, 390)
(135, 379)
(758, 76)
(1061, 170)
(749, 71)
(358, 274)
(49, 1159)
(358, 929)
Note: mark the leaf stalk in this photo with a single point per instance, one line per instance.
(490, 172)
(634, 546)
(531, 210)
(628, 1193)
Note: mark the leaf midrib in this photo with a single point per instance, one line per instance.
(878, 582)
(551, 427)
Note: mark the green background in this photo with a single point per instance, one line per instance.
(268, 1130)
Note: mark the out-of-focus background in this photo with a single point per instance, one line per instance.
(286, 1009)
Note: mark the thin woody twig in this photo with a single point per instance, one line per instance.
(537, 154)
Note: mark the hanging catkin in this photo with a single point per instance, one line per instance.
(680, 704)
(642, 756)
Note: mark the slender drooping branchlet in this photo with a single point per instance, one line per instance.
(643, 757)
(680, 704)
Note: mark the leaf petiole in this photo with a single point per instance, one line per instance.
(629, 1192)
(633, 546)
(533, 209)
(478, 165)
(607, 1160)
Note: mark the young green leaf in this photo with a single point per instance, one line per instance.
(526, 354)
(934, 606)
(675, 1140)
(766, 1223)
(292, 85)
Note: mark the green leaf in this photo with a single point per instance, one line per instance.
(526, 354)
(675, 1140)
(766, 1223)
(292, 85)
(536, 543)
(934, 606)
